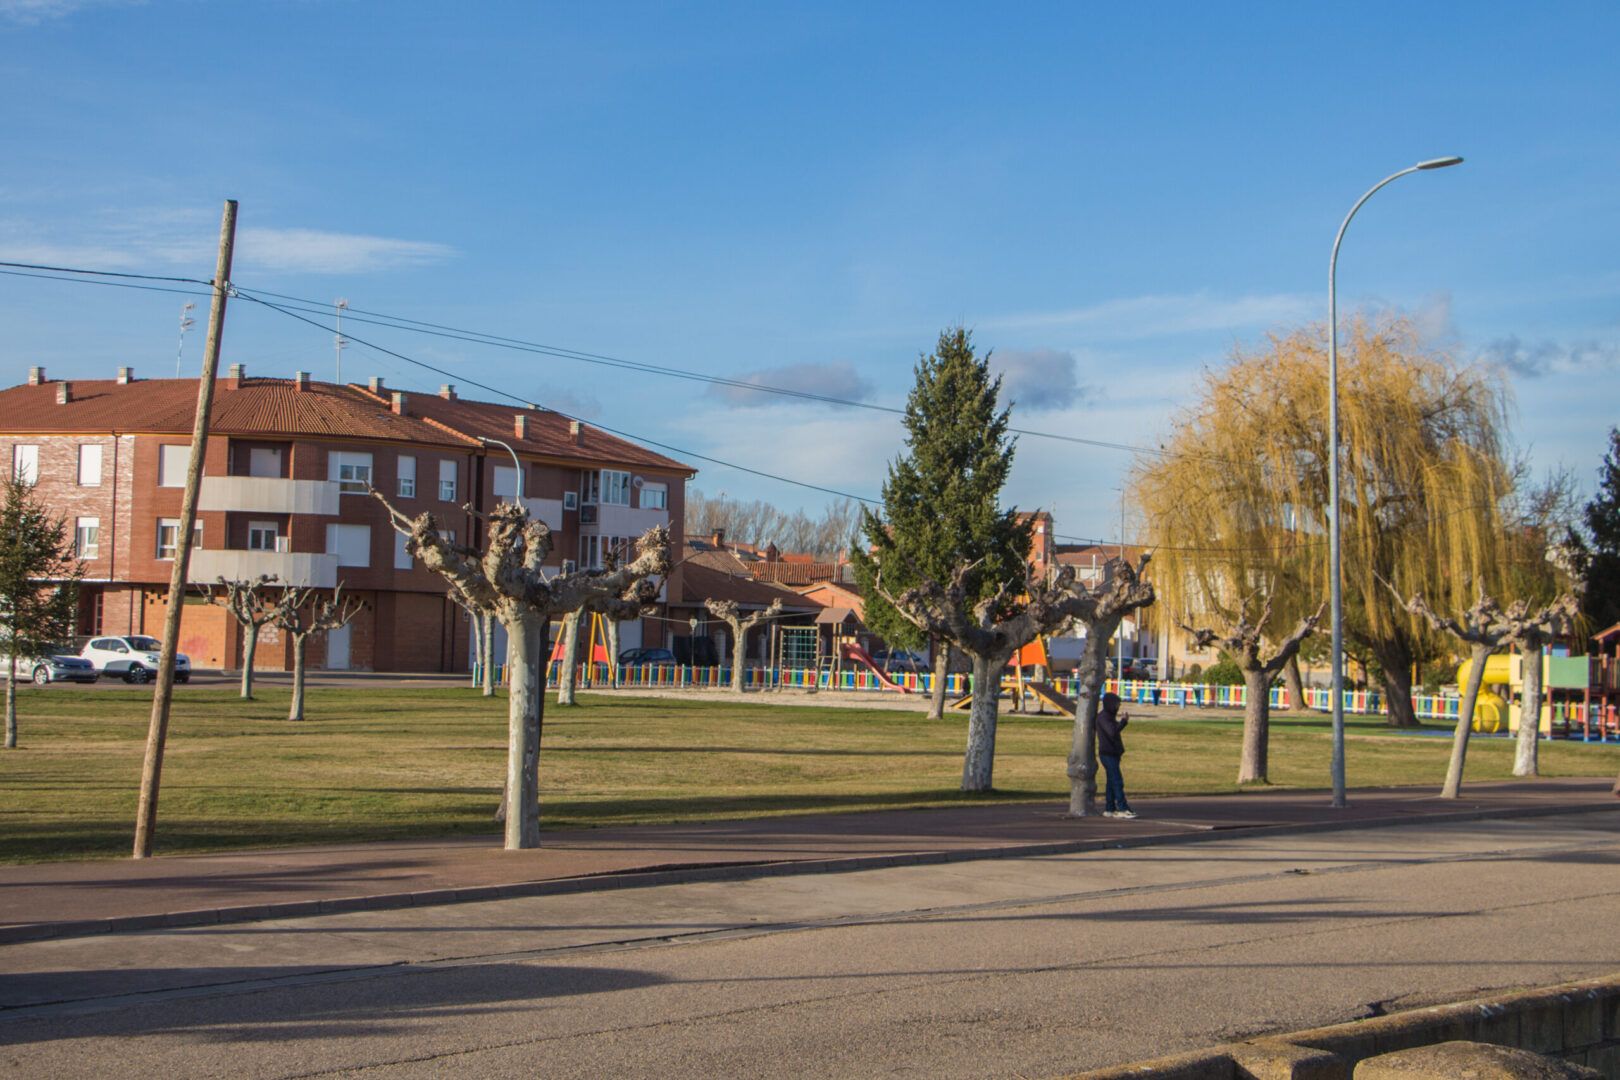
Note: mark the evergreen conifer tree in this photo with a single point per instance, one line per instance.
(941, 505)
(1602, 601)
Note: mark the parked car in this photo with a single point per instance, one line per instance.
(133, 658)
(56, 665)
(653, 657)
(899, 660)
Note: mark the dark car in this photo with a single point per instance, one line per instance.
(642, 657)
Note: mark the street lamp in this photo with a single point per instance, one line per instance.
(1333, 470)
(516, 465)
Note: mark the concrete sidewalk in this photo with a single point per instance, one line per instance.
(77, 898)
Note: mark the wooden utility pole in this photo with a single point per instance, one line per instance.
(162, 695)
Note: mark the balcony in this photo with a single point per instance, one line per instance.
(300, 568)
(624, 520)
(268, 495)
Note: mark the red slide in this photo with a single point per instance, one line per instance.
(861, 656)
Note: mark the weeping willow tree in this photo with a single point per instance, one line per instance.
(1236, 503)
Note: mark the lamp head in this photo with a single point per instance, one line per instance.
(1440, 162)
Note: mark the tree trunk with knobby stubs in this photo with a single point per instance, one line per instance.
(727, 611)
(568, 664)
(942, 678)
(508, 579)
(302, 614)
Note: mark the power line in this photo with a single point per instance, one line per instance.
(104, 273)
(113, 284)
(522, 401)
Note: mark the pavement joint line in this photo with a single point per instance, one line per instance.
(738, 871)
(745, 931)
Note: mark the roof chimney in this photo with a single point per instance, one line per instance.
(397, 403)
(301, 381)
(376, 384)
(126, 375)
(719, 538)
(520, 426)
(64, 393)
(448, 391)
(577, 430)
(234, 380)
(36, 376)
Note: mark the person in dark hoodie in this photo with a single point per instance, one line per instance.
(1110, 748)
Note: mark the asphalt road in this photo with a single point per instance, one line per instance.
(1031, 968)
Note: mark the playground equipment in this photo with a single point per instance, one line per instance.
(854, 652)
(1491, 708)
(595, 651)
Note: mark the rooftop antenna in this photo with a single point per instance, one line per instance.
(186, 323)
(339, 343)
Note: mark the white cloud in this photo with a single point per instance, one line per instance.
(168, 239)
(1139, 317)
(1532, 361)
(833, 379)
(1038, 380)
(34, 12)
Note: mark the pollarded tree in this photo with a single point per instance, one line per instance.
(613, 610)
(1245, 641)
(726, 611)
(302, 613)
(39, 585)
(509, 578)
(941, 508)
(990, 630)
(253, 607)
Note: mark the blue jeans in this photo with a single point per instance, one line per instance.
(1114, 793)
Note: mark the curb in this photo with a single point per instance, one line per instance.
(740, 871)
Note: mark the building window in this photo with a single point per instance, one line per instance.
(172, 463)
(407, 478)
(590, 550)
(402, 557)
(350, 543)
(351, 470)
(570, 500)
(506, 482)
(87, 537)
(615, 488)
(447, 481)
(90, 465)
(264, 461)
(168, 537)
(590, 487)
(262, 535)
(655, 497)
(25, 464)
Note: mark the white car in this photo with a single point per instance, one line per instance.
(135, 658)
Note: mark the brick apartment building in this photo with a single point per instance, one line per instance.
(284, 492)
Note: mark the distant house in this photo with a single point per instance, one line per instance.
(710, 571)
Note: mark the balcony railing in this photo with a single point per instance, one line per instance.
(299, 568)
(268, 495)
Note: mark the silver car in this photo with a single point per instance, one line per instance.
(56, 665)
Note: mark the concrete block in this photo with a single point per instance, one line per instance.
(1583, 1020)
(1267, 1059)
(1469, 1061)
(1604, 1059)
(1213, 1064)
(1496, 1024)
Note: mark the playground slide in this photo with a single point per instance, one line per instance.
(864, 658)
(1049, 694)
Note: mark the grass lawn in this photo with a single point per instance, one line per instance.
(374, 764)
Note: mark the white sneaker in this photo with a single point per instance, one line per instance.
(1109, 813)
(1125, 813)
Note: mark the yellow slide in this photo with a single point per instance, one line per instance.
(1490, 710)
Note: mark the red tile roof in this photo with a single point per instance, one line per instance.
(718, 575)
(548, 433)
(258, 406)
(794, 573)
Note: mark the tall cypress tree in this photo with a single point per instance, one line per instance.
(941, 501)
(1602, 601)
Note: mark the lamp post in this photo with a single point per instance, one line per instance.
(1333, 470)
(516, 465)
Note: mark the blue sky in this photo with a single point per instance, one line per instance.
(1111, 196)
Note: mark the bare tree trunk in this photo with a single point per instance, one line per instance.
(297, 710)
(942, 675)
(1295, 683)
(1465, 722)
(1395, 657)
(250, 645)
(1526, 752)
(568, 673)
(486, 646)
(525, 701)
(11, 698)
(475, 619)
(739, 656)
(1092, 671)
(979, 763)
(1256, 726)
